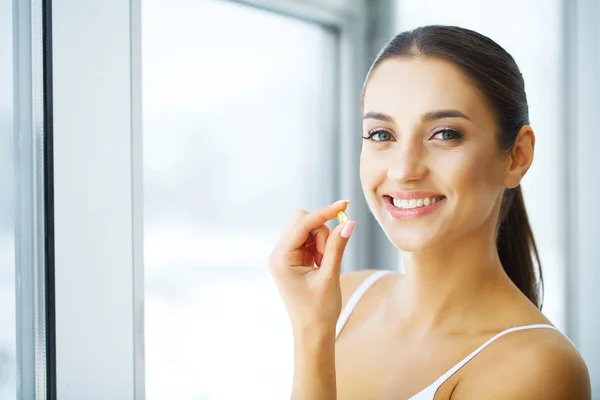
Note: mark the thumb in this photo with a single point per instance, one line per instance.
(334, 248)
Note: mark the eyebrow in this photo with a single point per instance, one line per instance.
(427, 117)
(378, 116)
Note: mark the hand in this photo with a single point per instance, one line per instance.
(311, 294)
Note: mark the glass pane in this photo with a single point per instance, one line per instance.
(8, 384)
(238, 120)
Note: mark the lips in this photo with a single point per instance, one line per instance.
(402, 194)
(415, 203)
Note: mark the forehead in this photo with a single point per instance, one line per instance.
(405, 87)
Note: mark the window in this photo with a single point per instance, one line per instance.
(23, 236)
(8, 318)
(239, 124)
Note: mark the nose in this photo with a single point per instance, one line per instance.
(408, 166)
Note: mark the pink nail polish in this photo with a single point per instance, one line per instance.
(340, 202)
(347, 229)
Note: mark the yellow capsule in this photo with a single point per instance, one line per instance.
(342, 217)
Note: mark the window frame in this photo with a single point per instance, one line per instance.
(33, 261)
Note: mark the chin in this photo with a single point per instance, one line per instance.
(412, 243)
(410, 236)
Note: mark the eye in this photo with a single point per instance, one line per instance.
(448, 135)
(378, 135)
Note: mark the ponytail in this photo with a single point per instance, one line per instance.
(517, 248)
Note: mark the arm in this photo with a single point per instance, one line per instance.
(312, 295)
(314, 352)
(314, 366)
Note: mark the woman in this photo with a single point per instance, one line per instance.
(446, 143)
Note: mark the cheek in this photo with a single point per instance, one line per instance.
(469, 170)
(474, 180)
(370, 179)
(368, 171)
(373, 168)
(372, 175)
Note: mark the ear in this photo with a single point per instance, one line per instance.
(520, 158)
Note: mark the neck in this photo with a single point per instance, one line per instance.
(445, 285)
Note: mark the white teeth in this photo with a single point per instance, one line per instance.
(414, 203)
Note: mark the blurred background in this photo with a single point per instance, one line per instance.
(237, 113)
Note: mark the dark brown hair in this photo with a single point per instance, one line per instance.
(495, 73)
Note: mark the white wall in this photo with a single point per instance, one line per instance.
(582, 142)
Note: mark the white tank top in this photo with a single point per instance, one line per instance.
(429, 392)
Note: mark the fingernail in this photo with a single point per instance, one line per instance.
(340, 202)
(347, 229)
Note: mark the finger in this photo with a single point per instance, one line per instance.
(335, 246)
(318, 259)
(317, 234)
(314, 253)
(301, 227)
(294, 220)
(289, 227)
(308, 258)
(317, 246)
(320, 236)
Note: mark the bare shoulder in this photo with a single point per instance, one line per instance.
(350, 281)
(544, 365)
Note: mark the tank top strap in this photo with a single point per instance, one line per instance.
(355, 298)
(429, 392)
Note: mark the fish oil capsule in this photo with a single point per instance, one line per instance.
(342, 217)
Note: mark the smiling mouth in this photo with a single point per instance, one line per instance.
(406, 204)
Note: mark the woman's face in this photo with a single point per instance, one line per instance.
(432, 171)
